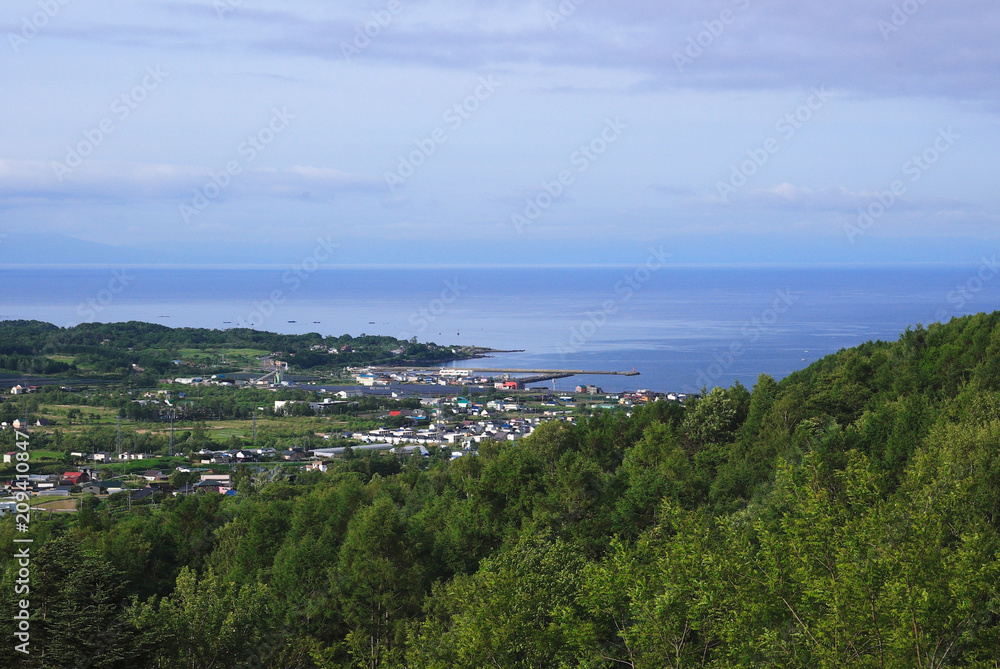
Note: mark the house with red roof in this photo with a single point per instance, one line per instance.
(74, 478)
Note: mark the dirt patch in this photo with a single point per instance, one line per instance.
(58, 505)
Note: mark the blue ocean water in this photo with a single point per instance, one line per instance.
(681, 328)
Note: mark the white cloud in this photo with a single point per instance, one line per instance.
(103, 180)
(943, 49)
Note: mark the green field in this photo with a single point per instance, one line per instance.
(68, 359)
(236, 356)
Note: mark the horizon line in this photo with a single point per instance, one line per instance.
(484, 266)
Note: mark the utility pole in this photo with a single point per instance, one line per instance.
(255, 428)
(171, 433)
(118, 443)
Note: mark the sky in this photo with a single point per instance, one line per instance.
(439, 132)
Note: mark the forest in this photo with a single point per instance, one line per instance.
(846, 515)
(142, 353)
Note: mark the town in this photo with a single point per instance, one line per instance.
(422, 413)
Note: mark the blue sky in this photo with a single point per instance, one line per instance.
(429, 132)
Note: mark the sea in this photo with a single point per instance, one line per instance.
(680, 328)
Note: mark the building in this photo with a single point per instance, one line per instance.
(141, 494)
(220, 487)
(75, 478)
(370, 380)
(344, 394)
(57, 491)
(339, 451)
(101, 487)
(320, 407)
(264, 452)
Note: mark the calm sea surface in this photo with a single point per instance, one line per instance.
(680, 328)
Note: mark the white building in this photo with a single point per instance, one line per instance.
(449, 372)
(344, 394)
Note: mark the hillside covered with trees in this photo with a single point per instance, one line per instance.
(143, 352)
(847, 515)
